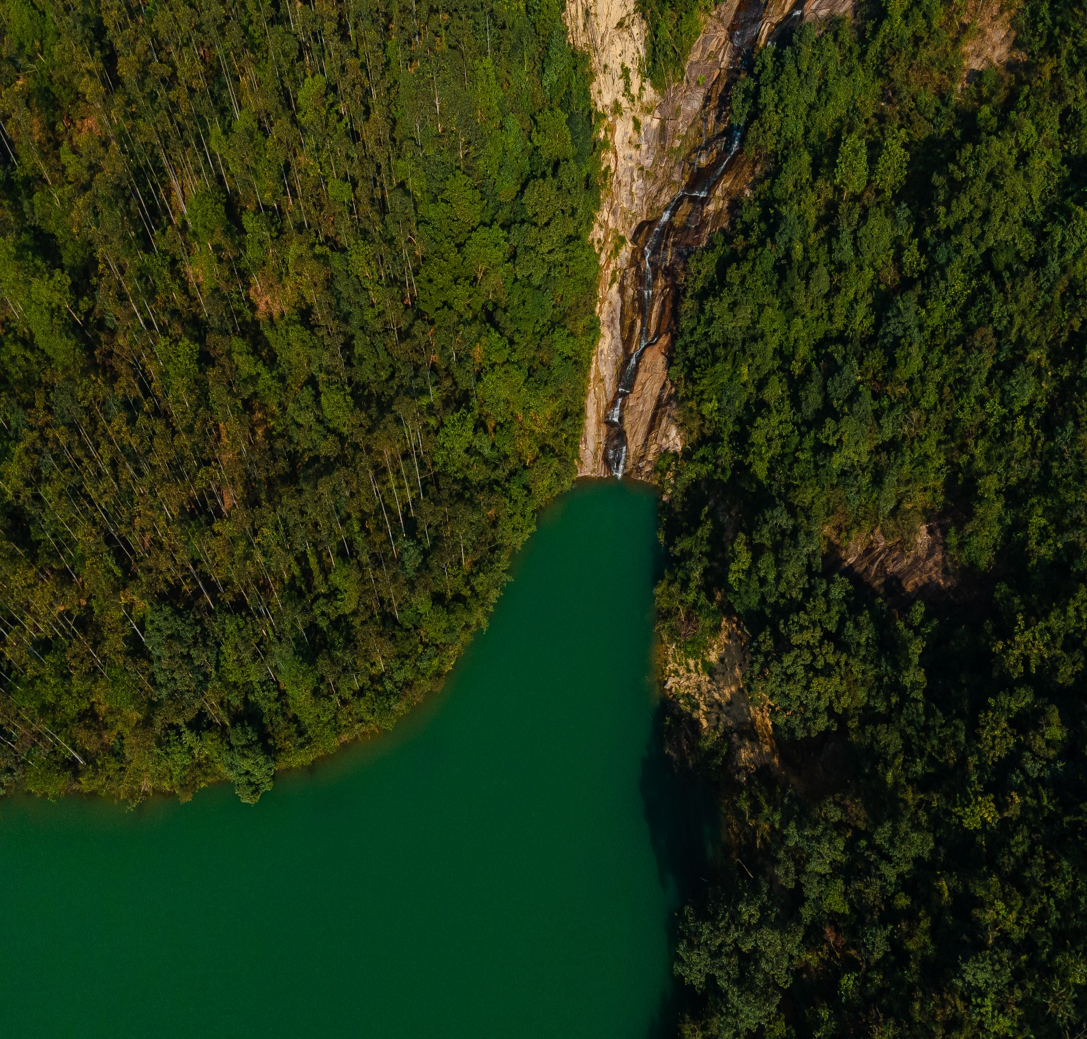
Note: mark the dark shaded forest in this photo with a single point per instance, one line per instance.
(891, 338)
(296, 308)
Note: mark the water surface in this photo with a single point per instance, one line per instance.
(501, 865)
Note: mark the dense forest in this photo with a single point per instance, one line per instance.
(890, 340)
(296, 308)
(672, 26)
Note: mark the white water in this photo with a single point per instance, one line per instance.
(649, 252)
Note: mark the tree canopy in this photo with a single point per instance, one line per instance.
(891, 334)
(296, 308)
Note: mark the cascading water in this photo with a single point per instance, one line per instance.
(702, 184)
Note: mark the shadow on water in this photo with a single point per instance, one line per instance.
(683, 825)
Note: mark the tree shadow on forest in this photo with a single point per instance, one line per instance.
(684, 829)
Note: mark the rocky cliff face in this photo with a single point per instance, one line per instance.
(899, 570)
(659, 146)
(708, 694)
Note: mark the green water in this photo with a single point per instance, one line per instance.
(504, 864)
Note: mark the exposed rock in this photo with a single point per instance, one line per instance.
(821, 9)
(657, 145)
(990, 38)
(900, 572)
(647, 422)
(648, 137)
(708, 690)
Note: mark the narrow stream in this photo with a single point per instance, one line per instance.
(699, 189)
(685, 224)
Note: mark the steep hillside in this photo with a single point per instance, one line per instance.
(875, 612)
(296, 306)
(658, 145)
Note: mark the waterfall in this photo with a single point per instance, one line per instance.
(616, 454)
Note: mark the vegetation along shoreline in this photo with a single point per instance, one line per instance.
(309, 309)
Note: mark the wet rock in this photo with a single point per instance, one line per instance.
(657, 146)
